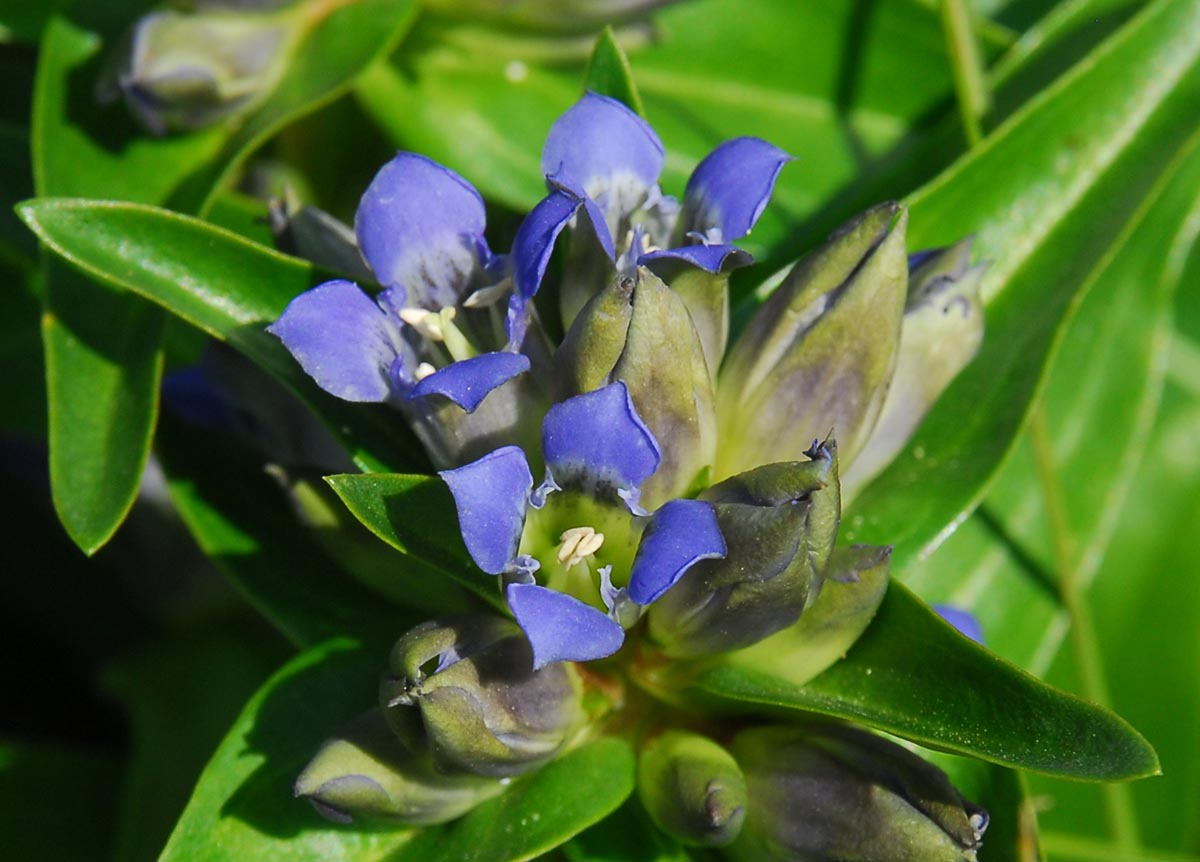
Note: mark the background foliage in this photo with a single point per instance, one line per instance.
(1054, 491)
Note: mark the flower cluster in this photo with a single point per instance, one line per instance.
(685, 493)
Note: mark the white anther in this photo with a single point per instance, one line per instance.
(424, 370)
(577, 544)
(489, 295)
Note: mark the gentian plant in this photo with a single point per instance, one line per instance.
(718, 494)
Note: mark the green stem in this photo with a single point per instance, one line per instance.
(966, 62)
(1119, 810)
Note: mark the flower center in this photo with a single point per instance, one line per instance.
(578, 543)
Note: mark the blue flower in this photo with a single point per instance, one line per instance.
(419, 228)
(602, 163)
(557, 568)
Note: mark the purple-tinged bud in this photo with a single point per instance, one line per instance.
(779, 522)
(365, 772)
(692, 788)
(941, 332)
(826, 791)
(483, 707)
(819, 354)
(185, 70)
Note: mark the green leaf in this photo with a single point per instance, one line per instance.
(43, 785)
(103, 357)
(344, 39)
(538, 812)
(1076, 164)
(104, 360)
(416, 515)
(225, 285)
(244, 523)
(608, 72)
(242, 807)
(913, 675)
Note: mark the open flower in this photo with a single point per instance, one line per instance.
(602, 163)
(420, 230)
(578, 556)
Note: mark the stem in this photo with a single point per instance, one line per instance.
(966, 63)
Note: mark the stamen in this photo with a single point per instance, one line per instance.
(577, 544)
(423, 371)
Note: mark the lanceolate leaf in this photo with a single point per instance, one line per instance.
(913, 675)
(225, 285)
(608, 72)
(103, 356)
(1055, 187)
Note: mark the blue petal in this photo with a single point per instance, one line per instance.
(342, 339)
(681, 534)
(560, 627)
(599, 437)
(490, 495)
(710, 258)
(420, 225)
(468, 382)
(534, 242)
(731, 187)
(599, 144)
(962, 620)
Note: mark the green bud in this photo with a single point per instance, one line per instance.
(639, 331)
(366, 772)
(819, 354)
(313, 234)
(827, 791)
(187, 70)
(940, 334)
(854, 586)
(706, 297)
(692, 788)
(482, 706)
(779, 522)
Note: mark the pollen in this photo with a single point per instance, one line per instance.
(578, 543)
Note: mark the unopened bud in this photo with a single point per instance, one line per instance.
(188, 70)
(483, 707)
(828, 791)
(692, 788)
(820, 352)
(779, 523)
(366, 772)
(941, 332)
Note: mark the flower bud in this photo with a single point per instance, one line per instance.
(367, 772)
(188, 70)
(820, 352)
(779, 523)
(827, 791)
(941, 332)
(692, 788)
(638, 331)
(853, 590)
(483, 707)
